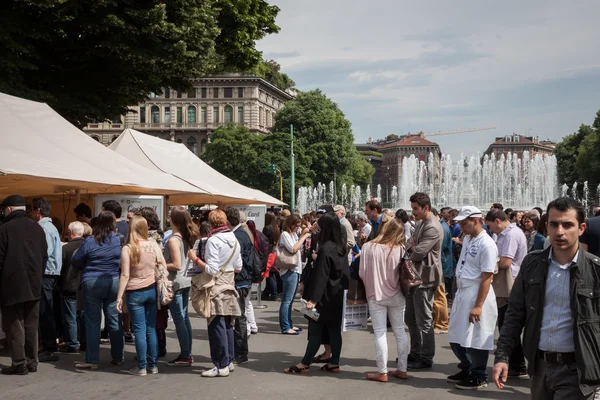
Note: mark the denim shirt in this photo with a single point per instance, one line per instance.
(54, 263)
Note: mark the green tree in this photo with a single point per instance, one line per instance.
(567, 152)
(91, 59)
(326, 137)
(588, 161)
(271, 71)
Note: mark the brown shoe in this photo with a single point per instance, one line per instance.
(377, 377)
(398, 374)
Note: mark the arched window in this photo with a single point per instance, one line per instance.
(115, 137)
(179, 140)
(191, 115)
(155, 114)
(202, 146)
(96, 138)
(228, 114)
(192, 144)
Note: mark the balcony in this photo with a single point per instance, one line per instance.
(177, 126)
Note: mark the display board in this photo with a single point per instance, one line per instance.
(128, 202)
(254, 212)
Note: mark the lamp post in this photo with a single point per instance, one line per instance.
(387, 184)
(292, 174)
(274, 171)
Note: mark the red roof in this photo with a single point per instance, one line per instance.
(410, 141)
(523, 140)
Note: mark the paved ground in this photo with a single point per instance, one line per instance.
(261, 378)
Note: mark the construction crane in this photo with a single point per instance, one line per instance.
(442, 133)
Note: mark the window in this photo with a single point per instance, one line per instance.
(167, 115)
(240, 92)
(228, 92)
(179, 141)
(191, 115)
(202, 145)
(179, 115)
(115, 137)
(215, 114)
(203, 115)
(167, 93)
(267, 118)
(96, 138)
(142, 115)
(260, 116)
(228, 114)
(216, 93)
(153, 95)
(203, 92)
(179, 94)
(192, 144)
(240, 119)
(155, 114)
(192, 94)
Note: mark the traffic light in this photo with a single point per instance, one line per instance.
(273, 168)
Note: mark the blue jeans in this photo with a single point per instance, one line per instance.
(472, 361)
(183, 326)
(142, 310)
(290, 286)
(69, 310)
(101, 294)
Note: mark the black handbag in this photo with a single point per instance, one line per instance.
(410, 279)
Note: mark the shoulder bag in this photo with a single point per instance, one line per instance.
(410, 279)
(284, 259)
(202, 285)
(164, 287)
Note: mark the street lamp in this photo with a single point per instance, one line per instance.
(274, 170)
(387, 184)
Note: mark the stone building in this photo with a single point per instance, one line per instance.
(190, 117)
(517, 144)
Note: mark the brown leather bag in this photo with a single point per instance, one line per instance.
(410, 279)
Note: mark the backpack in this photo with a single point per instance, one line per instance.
(260, 257)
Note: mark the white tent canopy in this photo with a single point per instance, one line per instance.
(43, 154)
(176, 159)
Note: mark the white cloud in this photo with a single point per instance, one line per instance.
(522, 66)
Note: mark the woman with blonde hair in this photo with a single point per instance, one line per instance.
(380, 272)
(184, 235)
(222, 259)
(139, 259)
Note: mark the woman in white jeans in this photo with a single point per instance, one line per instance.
(379, 270)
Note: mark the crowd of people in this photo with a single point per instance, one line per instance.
(530, 271)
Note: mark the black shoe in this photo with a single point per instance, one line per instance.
(47, 356)
(517, 374)
(459, 377)
(20, 369)
(419, 365)
(128, 337)
(32, 368)
(69, 350)
(410, 359)
(240, 360)
(472, 383)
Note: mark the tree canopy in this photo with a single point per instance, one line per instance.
(91, 59)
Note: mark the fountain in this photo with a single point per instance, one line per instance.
(378, 198)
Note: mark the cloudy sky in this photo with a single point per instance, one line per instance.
(395, 66)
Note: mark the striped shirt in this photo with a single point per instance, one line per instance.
(556, 334)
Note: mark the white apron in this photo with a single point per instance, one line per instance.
(479, 335)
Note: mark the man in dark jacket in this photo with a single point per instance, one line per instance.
(69, 283)
(23, 256)
(556, 298)
(243, 284)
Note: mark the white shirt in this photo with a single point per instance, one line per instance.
(218, 250)
(478, 255)
(289, 241)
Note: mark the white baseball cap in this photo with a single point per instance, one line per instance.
(468, 212)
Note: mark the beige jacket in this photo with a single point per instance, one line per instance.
(426, 253)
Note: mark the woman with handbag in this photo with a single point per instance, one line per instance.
(185, 233)
(380, 272)
(289, 262)
(324, 290)
(214, 296)
(140, 258)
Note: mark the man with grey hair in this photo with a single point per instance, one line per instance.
(69, 284)
(364, 227)
(23, 256)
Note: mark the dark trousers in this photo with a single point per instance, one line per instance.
(449, 285)
(556, 382)
(315, 330)
(70, 332)
(47, 316)
(81, 331)
(517, 358)
(20, 324)
(220, 338)
(472, 361)
(241, 326)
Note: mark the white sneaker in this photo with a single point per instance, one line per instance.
(153, 370)
(214, 372)
(231, 367)
(138, 372)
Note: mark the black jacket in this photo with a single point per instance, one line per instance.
(526, 306)
(244, 278)
(325, 283)
(70, 277)
(23, 256)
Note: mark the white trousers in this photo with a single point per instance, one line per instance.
(380, 310)
(250, 320)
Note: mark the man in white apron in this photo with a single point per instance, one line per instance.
(474, 312)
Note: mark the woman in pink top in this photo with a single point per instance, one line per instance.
(139, 259)
(379, 262)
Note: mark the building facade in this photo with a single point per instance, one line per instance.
(395, 150)
(190, 117)
(517, 144)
